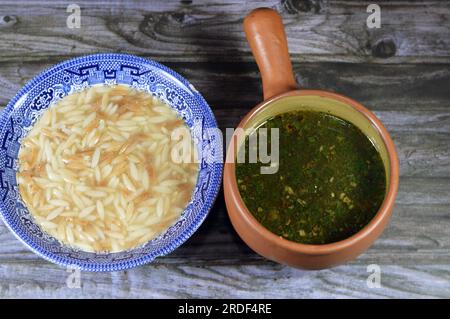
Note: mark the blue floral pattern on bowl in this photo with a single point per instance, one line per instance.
(77, 74)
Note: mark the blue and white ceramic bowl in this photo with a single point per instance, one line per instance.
(77, 74)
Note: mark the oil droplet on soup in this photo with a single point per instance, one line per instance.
(330, 183)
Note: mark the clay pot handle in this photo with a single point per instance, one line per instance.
(265, 34)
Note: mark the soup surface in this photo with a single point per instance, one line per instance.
(96, 172)
(330, 182)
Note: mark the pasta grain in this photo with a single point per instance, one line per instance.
(95, 170)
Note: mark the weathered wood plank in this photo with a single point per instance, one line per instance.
(417, 234)
(212, 30)
(404, 87)
(423, 154)
(413, 101)
(242, 281)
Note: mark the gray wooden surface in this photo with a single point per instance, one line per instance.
(400, 71)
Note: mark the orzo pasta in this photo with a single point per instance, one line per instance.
(96, 173)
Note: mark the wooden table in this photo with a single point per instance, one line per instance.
(400, 71)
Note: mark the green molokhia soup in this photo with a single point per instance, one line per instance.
(330, 183)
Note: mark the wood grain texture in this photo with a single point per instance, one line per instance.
(418, 229)
(407, 87)
(212, 30)
(331, 49)
(417, 113)
(241, 281)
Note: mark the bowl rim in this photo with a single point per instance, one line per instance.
(201, 215)
(383, 214)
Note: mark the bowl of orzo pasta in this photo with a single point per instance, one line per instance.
(107, 161)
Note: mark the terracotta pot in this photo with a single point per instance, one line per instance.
(265, 34)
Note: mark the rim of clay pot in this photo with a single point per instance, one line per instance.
(383, 212)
